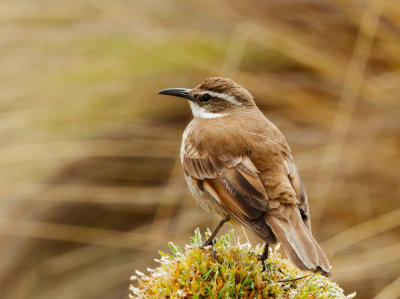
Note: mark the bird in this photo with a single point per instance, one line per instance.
(238, 164)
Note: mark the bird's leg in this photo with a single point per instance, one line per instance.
(214, 233)
(214, 253)
(264, 256)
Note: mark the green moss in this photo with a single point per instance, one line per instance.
(236, 273)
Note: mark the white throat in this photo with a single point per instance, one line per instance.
(200, 112)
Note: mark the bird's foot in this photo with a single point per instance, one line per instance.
(206, 243)
(263, 266)
(263, 257)
(214, 253)
(262, 262)
(212, 243)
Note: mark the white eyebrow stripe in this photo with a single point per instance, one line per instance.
(223, 96)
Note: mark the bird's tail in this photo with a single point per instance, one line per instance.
(299, 244)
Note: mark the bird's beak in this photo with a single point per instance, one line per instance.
(177, 92)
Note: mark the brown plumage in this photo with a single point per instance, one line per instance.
(239, 165)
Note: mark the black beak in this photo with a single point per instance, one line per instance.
(177, 92)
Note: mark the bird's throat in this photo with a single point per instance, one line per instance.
(202, 113)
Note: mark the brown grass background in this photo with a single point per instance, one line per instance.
(91, 184)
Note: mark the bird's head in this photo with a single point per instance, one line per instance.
(215, 97)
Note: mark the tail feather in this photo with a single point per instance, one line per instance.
(299, 244)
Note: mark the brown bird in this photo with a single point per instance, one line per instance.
(238, 164)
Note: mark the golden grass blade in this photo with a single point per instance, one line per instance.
(140, 198)
(360, 265)
(390, 291)
(235, 51)
(341, 124)
(80, 149)
(361, 232)
(63, 232)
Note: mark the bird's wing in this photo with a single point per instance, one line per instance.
(290, 221)
(295, 180)
(298, 187)
(234, 183)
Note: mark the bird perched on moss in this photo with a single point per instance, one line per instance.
(238, 164)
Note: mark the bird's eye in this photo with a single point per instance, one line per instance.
(205, 98)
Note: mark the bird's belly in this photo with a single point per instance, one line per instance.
(204, 199)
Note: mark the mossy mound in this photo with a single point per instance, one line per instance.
(236, 273)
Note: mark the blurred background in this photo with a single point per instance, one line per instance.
(91, 183)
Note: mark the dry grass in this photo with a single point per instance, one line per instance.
(91, 186)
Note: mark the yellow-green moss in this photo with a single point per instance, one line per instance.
(237, 273)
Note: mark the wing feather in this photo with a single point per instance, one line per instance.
(238, 175)
(299, 189)
(234, 183)
(237, 207)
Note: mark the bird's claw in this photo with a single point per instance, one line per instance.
(262, 260)
(263, 266)
(214, 253)
(212, 243)
(263, 257)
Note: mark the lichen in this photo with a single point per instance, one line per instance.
(236, 273)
